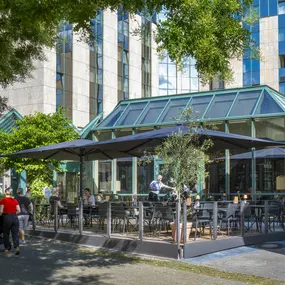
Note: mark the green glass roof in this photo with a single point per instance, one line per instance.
(8, 121)
(228, 104)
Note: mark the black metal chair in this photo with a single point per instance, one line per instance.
(102, 214)
(72, 216)
(164, 215)
(202, 217)
(231, 217)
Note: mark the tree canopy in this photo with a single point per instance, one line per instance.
(208, 30)
(35, 131)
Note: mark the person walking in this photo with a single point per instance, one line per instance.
(10, 208)
(26, 207)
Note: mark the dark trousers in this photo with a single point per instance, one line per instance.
(153, 197)
(1, 224)
(11, 224)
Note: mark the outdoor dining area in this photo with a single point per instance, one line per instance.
(196, 220)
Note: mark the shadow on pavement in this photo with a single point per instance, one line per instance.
(51, 262)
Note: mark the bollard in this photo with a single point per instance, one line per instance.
(215, 220)
(55, 216)
(109, 219)
(141, 221)
(177, 222)
(185, 238)
(242, 207)
(34, 218)
(266, 217)
(80, 215)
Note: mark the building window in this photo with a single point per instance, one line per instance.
(217, 83)
(281, 7)
(64, 68)
(96, 67)
(251, 66)
(123, 55)
(189, 76)
(146, 57)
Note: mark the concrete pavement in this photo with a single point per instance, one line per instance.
(50, 262)
(265, 260)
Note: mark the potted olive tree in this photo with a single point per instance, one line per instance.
(185, 156)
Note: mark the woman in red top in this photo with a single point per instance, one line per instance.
(10, 208)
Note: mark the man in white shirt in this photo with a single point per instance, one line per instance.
(156, 186)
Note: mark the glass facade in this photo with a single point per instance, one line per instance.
(251, 65)
(96, 67)
(146, 56)
(281, 48)
(123, 54)
(64, 68)
(168, 77)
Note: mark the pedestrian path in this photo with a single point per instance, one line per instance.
(265, 260)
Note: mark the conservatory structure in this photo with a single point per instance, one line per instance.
(254, 111)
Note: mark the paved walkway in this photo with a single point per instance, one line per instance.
(50, 262)
(266, 260)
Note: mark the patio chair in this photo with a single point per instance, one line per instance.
(274, 215)
(231, 217)
(102, 214)
(202, 217)
(119, 216)
(72, 216)
(165, 215)
(249, 215)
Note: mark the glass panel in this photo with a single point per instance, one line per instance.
(273, 7)
(281, 7)
(113, 117)
(123, 183)
(267, 105)
(131, 114)
(281, 34)
(263, 8)
(282, 88)
(152, 112)
(273, 128)
(240, 175)
(105, 176)
(199, 105)
(216, 180)
(220, 106)
(240, 127)
(145, 174)
(122, 133)
(103, 136)
(245, 103)
(174, 109)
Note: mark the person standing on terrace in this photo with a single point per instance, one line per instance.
(155, 187)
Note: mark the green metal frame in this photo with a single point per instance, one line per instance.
(277, 97)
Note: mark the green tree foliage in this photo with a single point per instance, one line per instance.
(185, 156)
(35, 131)
(203, 29)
